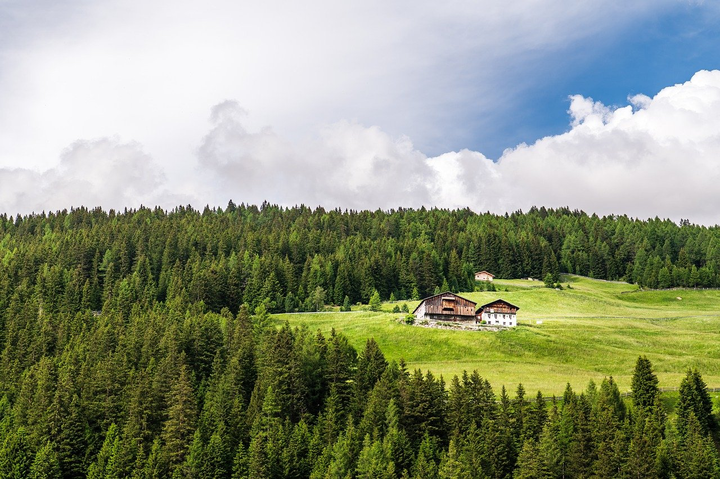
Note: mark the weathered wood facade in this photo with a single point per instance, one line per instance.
(498, 313)
(446, 307)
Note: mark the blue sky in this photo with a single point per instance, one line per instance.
(368, 104)
(662, 49)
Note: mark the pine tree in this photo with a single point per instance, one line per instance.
(371, 365)
(694, 399)
(644, 384)
(425, 466)
(530, 463)
(218, 460)
(179, 427)
(450, 465)
(373, 462)
(643, 447)
(698, 457)
(240, 463)
(46, 464)
(106, 459)
(15, 455)
(375, 302)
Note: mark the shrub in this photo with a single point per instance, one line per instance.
(410, 319)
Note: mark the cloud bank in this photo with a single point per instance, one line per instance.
(150, 70)
(655, 156)
(103, 172)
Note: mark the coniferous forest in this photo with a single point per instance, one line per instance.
(138, 344)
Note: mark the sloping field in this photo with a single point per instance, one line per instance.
(591, 330)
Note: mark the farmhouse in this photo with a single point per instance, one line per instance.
(446, 307)
(498, 312)
(484, 276)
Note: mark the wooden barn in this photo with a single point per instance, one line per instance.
(498, 313)
(484, 276)
(446, 307)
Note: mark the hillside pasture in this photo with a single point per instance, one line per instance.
(588, 331)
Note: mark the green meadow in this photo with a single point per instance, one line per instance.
(588, 331)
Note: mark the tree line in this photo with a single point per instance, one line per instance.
(299, 259)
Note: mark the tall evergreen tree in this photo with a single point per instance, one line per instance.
(644, 384)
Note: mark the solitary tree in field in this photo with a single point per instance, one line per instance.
(375, 301)
(644, 384)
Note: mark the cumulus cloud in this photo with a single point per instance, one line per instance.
(662, 158)
(345, 165)
(103, 172)
(654, 157)
(149, 70)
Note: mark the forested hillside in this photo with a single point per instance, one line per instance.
(126, 351)
(298, 258)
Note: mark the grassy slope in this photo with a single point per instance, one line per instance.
(595, 329)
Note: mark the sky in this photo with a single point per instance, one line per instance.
(612, 107)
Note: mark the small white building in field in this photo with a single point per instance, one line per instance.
(484, 276)
(498, 313)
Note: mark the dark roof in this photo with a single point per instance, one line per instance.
(498, 300)
(442, 294)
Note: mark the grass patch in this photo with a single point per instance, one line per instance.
(596, 329)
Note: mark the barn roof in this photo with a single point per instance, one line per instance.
(446, 293)
(498, 301)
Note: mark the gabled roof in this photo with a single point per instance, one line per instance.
(496, 301)
(442, 294)
(486, 272)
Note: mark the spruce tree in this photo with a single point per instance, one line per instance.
(694, 399)
(425, 465)
(644, 384)
(698, 456)
(530, 464)
(375, 302)
(45, 465)
(178, 430)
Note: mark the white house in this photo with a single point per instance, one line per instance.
(484, 276)
(498, 313)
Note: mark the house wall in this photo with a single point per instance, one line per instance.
(499, 319)
(483, 277)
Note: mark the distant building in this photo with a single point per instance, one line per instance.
(446, 307)
(484, 276)
(498, 313)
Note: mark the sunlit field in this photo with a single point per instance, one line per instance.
(588, 331)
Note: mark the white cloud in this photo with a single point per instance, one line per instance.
(104, 172)
(661, 159)
(346, 165)
(149, 70)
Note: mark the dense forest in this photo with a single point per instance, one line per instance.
(138, 344)
(299, 258)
